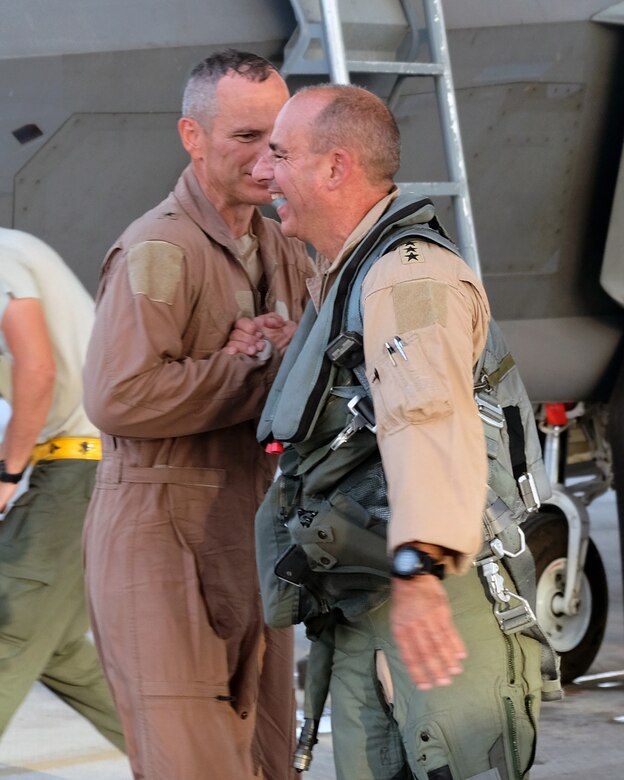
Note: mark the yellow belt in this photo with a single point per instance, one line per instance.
(73, 447)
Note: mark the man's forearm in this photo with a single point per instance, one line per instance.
(32, 397)
(32, 380)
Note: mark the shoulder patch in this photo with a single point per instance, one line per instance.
(410, 252)
(420, 303)
(155, 270)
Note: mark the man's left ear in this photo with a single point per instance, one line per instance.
(341, 164)
(189, 131)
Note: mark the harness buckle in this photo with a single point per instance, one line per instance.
(363, 417)
(495, 581)
(490, 413)
(515, 619)
(528, 492)
(510, 619)
(483, 384)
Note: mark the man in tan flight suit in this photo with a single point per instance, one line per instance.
(402, 705)
(202, 690)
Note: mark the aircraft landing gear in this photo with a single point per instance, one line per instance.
(575, 633)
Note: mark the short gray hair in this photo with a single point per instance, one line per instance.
(358, 120)
(199, 99)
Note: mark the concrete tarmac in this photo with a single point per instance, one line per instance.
(580, 738)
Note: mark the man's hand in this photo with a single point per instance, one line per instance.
(249, 336)
(245, 338)
(423, 630)
(277, 330)
(7, 491)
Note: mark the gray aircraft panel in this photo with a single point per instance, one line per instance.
(533, 150)
(613, 15)
(94, 144)
(612, 274)
(500, 13)
(560, 357)
(46, 27)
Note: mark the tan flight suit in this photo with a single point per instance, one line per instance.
(427, 423)
(203, 692)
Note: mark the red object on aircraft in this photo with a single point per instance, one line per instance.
(556, 414)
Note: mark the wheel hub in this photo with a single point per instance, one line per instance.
(564, 631)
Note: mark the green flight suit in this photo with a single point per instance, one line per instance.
(484, 721)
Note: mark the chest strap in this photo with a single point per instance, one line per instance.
(305, 378)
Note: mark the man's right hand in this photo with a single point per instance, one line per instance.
(245, 338)
(249, 336)
(7, 491)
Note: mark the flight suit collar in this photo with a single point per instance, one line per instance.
(192, 199)
(320, 284)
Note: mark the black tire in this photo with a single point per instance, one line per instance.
(576, 638)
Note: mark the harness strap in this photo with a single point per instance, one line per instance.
(305, 377)
(515, 430)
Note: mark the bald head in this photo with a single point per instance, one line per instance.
(334, 154)
(353, 118)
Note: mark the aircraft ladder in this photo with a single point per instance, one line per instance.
(327, 28)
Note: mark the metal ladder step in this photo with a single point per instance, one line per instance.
(398, 68)
(319, 22)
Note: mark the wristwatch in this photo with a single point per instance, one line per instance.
(12, 478)
(409, 562)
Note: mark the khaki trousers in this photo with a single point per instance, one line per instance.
(43, 616)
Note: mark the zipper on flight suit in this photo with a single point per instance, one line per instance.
(513, 737)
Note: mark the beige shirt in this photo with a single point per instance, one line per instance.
(429, 432)
(29, 268)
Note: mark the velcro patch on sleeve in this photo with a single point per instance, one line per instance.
(410, 253)
(419, 303)
(155, 270)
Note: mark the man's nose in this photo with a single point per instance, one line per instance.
(263, 169)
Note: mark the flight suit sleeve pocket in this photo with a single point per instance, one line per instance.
(409, 388)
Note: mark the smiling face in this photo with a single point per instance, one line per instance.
(295, 175)
(225, 148)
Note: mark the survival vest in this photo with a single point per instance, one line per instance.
(321, 531)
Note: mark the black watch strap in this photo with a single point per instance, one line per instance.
(408, 562)
(5, 476)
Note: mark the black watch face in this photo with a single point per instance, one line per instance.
(407, 561)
